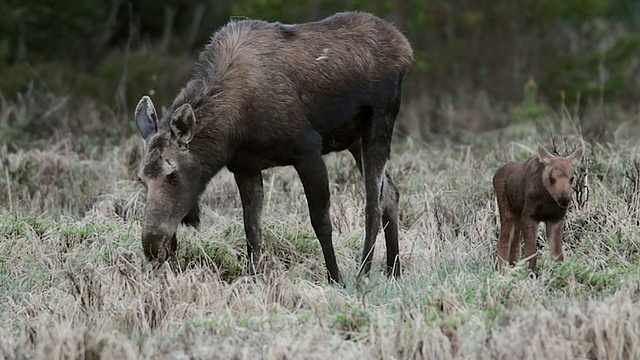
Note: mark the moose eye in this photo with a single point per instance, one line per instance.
(571, 180)
(173, 179)
(552, 180)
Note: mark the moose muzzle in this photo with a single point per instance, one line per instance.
(159, 246)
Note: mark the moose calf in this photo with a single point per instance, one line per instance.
(271, 94)
(538, 190)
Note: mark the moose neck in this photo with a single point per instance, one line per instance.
(213, 139)
(212, 156)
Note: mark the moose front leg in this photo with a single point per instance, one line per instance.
(251, 195)
(555, 232)
(530, 235)
(313, 174)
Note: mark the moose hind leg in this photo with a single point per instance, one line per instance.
(313, 174)
(251, 196)
(390, 198)
(376, 144)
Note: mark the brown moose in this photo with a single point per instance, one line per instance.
(538, 190)
(270, 94)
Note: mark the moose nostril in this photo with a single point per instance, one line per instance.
(563, 202)
(149, 246)
(158, 247)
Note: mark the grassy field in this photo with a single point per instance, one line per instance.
(74, 284)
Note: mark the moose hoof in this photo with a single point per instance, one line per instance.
(394, 272)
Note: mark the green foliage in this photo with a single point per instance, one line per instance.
(219, 255)
(352, 320)
(595, 74)
(150, 72)
(603, 281)
(573, 10)
(10, 227)
(578, 52)
(530, 108)
(26, 28)
(283, 11)
(294, 247)
(18, 132)
(39, 30)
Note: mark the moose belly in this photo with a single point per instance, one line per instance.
(251, 162)
(256, 156)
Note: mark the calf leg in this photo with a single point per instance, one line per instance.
(507, 223)
(507, 228)
(389, 198)
(555, 232)
(530, 234)
(514, 249)
(313, 174)
(251, 195)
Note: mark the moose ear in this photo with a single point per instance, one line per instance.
(543, 155)
(183, 122)
(146, 117)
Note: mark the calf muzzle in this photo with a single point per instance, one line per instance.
(563, 202)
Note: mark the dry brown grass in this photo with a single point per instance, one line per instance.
(73, 282)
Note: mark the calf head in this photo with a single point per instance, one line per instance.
(171, 175)
(557, 175)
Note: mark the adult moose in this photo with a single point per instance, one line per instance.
(269, 94)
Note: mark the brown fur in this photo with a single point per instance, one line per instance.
(538, 190)
(269, 94)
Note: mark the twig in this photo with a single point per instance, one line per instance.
(6, 172)
(121, 96)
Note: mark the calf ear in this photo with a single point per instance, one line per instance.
(575, 155)
(146, 117)
(183, 122)
(544, 155)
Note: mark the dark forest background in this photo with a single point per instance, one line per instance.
(69, 67)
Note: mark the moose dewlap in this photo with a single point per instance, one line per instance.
(538, 190)
(269, 94)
